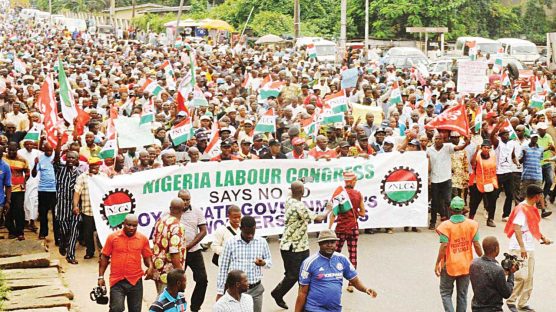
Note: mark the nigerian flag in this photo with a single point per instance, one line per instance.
(340, 201)
(311, 50)
(267, 123)
(478, 120)
(109, 149)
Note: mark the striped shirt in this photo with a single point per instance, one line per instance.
(82, 187)
(240, 255)
(229, 304)
(65, 185)
(167, 303)
(532, 163)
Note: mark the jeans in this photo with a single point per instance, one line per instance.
(123, 289)
(257, 294)
(505, 180)
(15, 218)
(195, 261)
(447, 289)
(475, 198)
(88, 233)
(47, 202)
(441, 195)
(547, 178)
(292, 265)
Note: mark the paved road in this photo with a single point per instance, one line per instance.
(399, 266)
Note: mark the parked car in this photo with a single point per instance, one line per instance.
(404, 57)
(485, 45)
(523, 50)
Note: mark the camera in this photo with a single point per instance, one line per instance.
(510, 261)
(99, 295)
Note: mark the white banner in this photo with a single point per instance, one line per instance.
(393, 185)
(472, 76)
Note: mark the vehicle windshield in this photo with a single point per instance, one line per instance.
(104, 30)
(524, 50)
(325, 50)
(489, 47)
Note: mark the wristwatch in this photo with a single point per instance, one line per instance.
(101, 277)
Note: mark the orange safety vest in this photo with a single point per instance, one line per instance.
(485, 172)
(459, 253)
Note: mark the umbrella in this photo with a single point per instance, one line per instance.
(266, 39)
(215, 24)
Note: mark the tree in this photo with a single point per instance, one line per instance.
(267, 22)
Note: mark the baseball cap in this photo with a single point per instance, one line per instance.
(542, 126)
(457, 204)
(274, 142)
(298, 141)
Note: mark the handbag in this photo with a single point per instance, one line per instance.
(216, 256)
(487, 187)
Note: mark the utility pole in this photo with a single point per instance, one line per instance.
(296, 23)
(133, 4)
(50, 11)
(366, 26)
(112, 8)
(343, 10)
(177, 24)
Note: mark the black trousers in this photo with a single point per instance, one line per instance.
(123, 289)
(194, 260)
(506, 180)
(292, 265)
(475, 199)
(47, 202)
(441, 194)
(15, 218)
(88, 233)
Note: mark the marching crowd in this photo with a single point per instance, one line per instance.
(224, 93)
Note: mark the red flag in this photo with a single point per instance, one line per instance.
(80, 121)
(47, 106)
(453, 119)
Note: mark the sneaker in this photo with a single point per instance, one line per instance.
(545, 213)
(512, 307)
(491, 223)
(505, 219)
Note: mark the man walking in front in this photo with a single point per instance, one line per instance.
(294, 246)
(455, 255)
(168, 244)
(172, 298)
(523, 229)
(195, 227)
(235, 299)
(321, 278)
(124, 250)
(248, 254)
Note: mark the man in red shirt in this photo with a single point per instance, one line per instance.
(226, 148)
(125, 248)
(347, 227)
(322, 150)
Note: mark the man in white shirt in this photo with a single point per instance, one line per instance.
(225, 233)
(235, 299)
(523, 229)
(505, 160)
(440, 167)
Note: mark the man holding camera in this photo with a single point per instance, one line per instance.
(523, 229)
(124, 249)
(491, 282)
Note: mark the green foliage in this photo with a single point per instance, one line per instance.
(267, 22)
(388, 18)
(154, 22)
(4, 290)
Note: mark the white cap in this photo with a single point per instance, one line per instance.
(542, 125)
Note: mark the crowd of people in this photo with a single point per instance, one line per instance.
(509, 147)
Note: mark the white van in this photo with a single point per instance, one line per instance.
(523, 50)
(74, 23)
(326, 49)
(483, 44)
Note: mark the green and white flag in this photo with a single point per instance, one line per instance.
(329, 117)
(152, 87)
(33, 134)
(147, 114)
(395, 94)
(69, 109)
(536, 101)
(340, 201)
(181, 132)
(478, 120)
(311, 51)
(337, 101)
(109, 149)
(267, 123)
